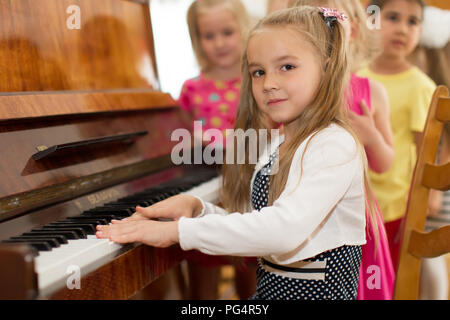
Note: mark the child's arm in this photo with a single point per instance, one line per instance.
(374, 129)
(330, 168)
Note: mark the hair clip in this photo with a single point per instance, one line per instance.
(331, 16)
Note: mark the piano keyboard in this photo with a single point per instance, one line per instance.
(71, 243)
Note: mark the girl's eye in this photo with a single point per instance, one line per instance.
(228, 33)
(208, 36)
(392, 17)
(413, 22)
(257, 73)
(287, 67)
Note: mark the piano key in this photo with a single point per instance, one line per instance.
(52, 266)
(87, 228)
(39, 245)
(79, 231)
(68, 235)
(111, 209)
(86, 219)
(133, 203)
(143, 197)
(54, 243)
(60, 239)
(116, 212)
(120, 206)
(100, 215)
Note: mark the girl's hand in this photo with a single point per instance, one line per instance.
(364, 125)
(149, 232)
(172, 208)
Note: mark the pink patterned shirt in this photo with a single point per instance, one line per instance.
(214, 102)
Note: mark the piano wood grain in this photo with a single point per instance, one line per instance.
(41, 51)
(65, 103)
(125, 275)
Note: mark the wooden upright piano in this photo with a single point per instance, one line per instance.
(85, 136)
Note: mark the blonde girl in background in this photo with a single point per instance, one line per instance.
(305, 221)
(217, 30)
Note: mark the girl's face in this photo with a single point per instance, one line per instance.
(220, 37)
(400, 27)
(285, 71)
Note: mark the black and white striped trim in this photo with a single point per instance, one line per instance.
(300, 270)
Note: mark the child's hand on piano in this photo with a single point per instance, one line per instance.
(141, 227)
(149, 232)
(172, 208)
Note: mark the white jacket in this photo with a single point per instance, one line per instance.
(323, 210)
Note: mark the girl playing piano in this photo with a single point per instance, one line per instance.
(311, 213)
(217, 30)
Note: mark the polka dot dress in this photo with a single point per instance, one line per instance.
(332, 275)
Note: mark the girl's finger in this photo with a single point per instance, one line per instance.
(148, 212)
(111, 232)
(151, 212)
(136, 216)
(113, 221)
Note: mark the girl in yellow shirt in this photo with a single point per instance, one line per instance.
(409, 92)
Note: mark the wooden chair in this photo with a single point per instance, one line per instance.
(415, 243)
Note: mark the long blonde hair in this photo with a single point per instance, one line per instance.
(237, 9)
(327, 107)
(366, 44)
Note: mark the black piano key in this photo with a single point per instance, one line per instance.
(122, 202)
(92, 222)
(79, 231)
(51, 241)
(39, 245)
(67, 235)
(144, 195)
(78, 235)
(120, 206)
(58, 239)
(100, 215)
(87, 219)
(88, 228)
(110, 211)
